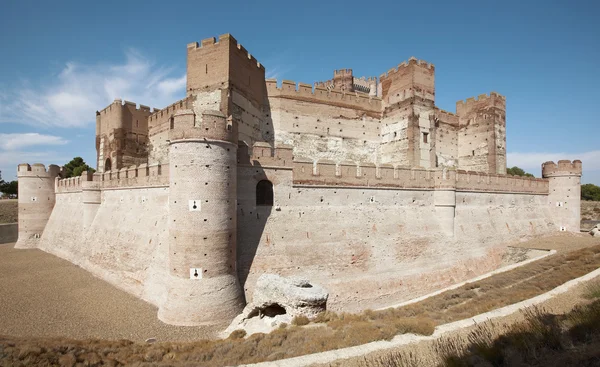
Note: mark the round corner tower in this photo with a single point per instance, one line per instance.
(203, 286)
(564, 195)
(36, 201)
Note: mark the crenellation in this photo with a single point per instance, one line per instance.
(291, 90)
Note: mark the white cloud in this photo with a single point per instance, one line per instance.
(590, 160)
(71, 98)
(12, 142)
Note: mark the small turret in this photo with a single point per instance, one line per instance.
(36, 201)
(565, 193)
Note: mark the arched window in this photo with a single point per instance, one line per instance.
(264, 193)
(107, 165)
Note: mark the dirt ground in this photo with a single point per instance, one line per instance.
(8, 211)
(44, 296)
(590, 210)
(560, 242)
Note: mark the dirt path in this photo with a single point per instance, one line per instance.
(44, 296)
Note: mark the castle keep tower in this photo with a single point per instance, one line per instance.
(565, 193)
(408, 94)
(121, 135)
(203, 288)
(482, 134)
(36, 201)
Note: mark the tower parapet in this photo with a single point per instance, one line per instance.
(565, 193)
(203, 287)
(563, 168)
(343, 80)
(36, 201)
(415, 78)
(224, 64)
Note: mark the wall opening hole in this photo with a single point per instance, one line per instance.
(264, 193)
(273, 310)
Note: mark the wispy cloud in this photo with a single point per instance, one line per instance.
(277, 72)
(12, 142)
(71, 98)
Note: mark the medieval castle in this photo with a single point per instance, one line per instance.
(360, 184)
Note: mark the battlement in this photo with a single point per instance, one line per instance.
(71, 184)
(343, 72)
(289, 89)
(563, 168)
(119, 103)
(265, 155)
(493, 99)
(159, 121)
(142, 175)
(38, 170)
(445, 116)
(224, 38)
(212, 125)
(405, 64)
(478, 181)
(329, 173)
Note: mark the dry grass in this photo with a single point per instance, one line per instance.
(592, 290)
(331, 330)
(542, 339)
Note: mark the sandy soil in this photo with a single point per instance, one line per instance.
(44, 296)
(590, 210)
(560, 242)
(8, 211)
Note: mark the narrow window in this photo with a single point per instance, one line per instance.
(473, 153)
(425, 137)
(107, 165)
(264, 193)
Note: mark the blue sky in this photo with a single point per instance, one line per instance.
(61, 61)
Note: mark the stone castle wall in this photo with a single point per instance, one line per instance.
(379, 197)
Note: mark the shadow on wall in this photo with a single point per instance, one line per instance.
(255, 203)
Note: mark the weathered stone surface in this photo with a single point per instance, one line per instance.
(296, 295)
(278, 300)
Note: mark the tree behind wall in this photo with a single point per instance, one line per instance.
(516, 171)
(75, 167)
(9, 189)
(590, 192)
